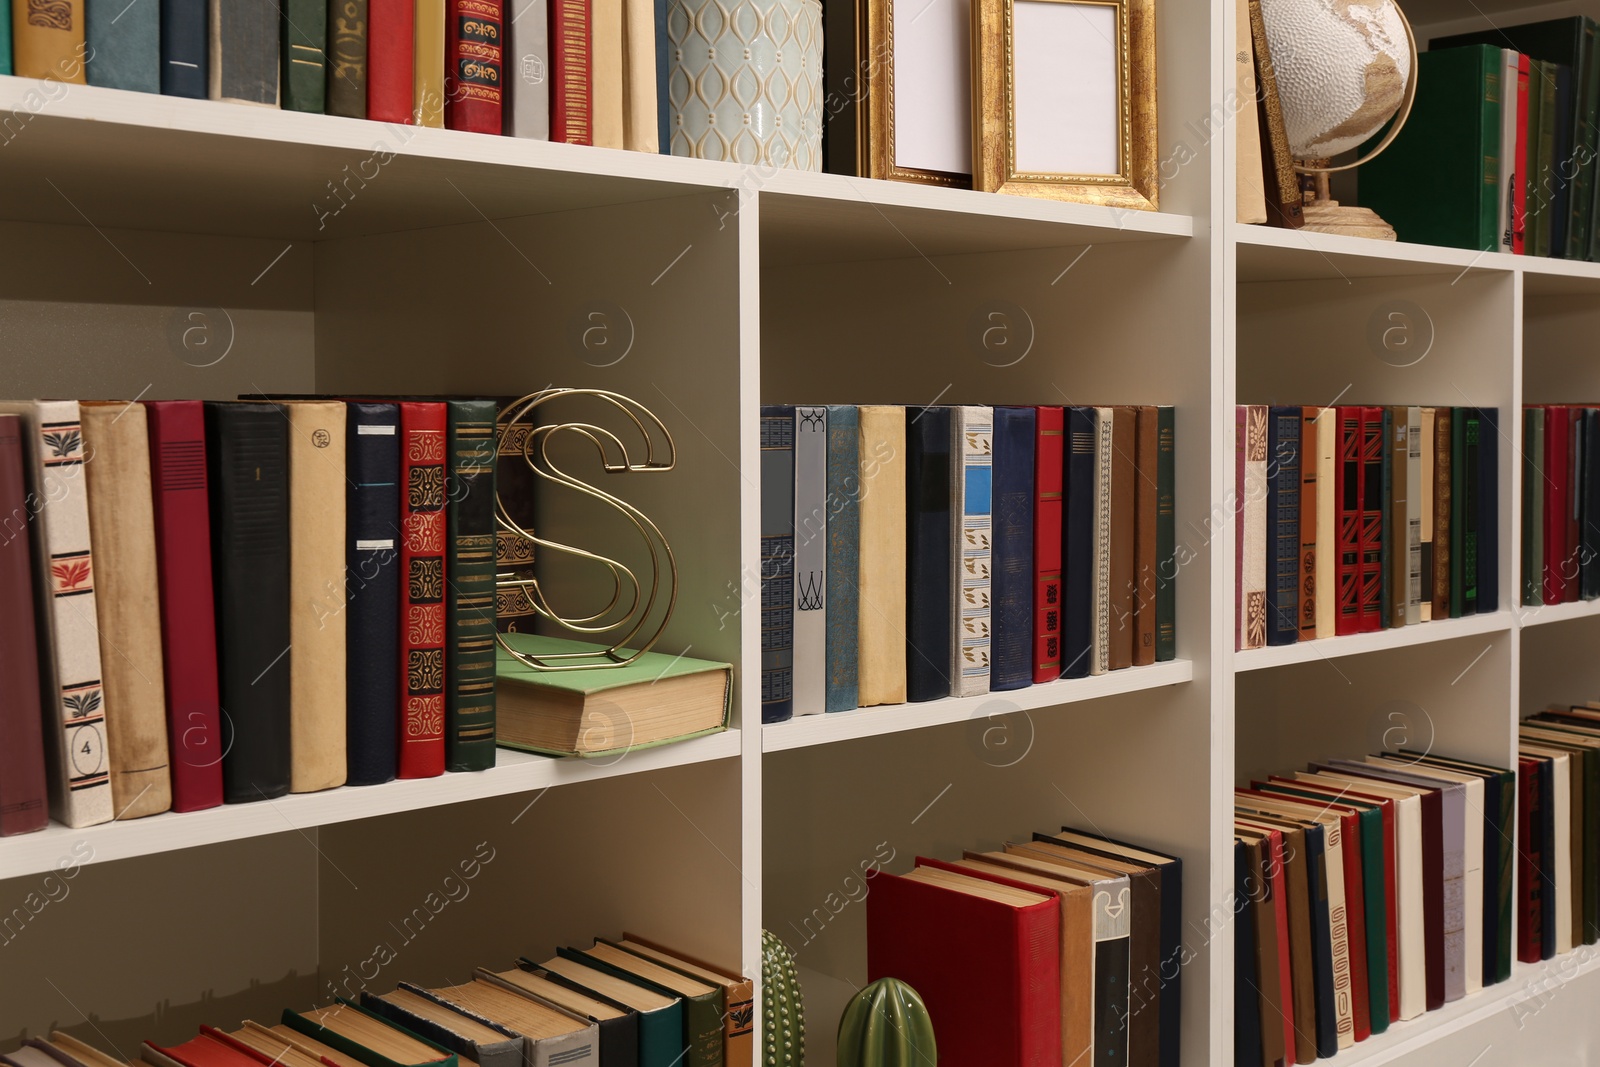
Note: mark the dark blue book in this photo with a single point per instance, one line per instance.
(372, 617)
(844, 555)
(1077, 550)
(185, 49)
(1011, 577)
(777, 564)
(1246, 993)
(1321, 942)
(1488, 501)
(1589, 508)
(1283, 526)
(1471, 554)
(928, 567)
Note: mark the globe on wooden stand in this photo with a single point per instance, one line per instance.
(1343, 71)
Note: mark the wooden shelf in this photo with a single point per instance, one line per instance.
(805, 731)
(1256, 659)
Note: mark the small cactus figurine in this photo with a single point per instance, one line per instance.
(886, 1025)
(783, 1008)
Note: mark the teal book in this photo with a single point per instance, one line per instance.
(304, 38)
(5, 36)
(123, 45)
(844, 555)
(1438, 183)
(469, 637)
(661, 1017)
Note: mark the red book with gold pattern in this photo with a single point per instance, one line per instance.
(1347, 495)
(422, 576)
(474, 72)
(570, 107)
(1049, 435)
(1371, 505)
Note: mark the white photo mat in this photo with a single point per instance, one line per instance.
(933, 85)
(1066, 85)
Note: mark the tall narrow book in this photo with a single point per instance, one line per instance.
(1328, 506)
(971, 474)
(474, 75)
(844, 555)
(24, 806)
(1048, 456)
(304, 35)
(571, 75)
(607, 73)
(1166, 534)
(244, 52)
(47, 40)
(1283, 522)
(810, 599)
(470, 593)
(428, 63)
(525, 109)
(1145, 508)
(777, 563)
(372, 566)
(346, 92)
(737, 1017)
(1120, 538)
(1252, 448)
(391, 71)
(423, 575)
(124, 45)
(1308, 523)
(883, 556)
(929, 561)
(185, 51)
(1077, 547)
(1011, 601)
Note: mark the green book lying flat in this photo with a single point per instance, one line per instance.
(655, 699)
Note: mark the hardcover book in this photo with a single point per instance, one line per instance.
(1252, 456)
(346, 92)
(1145, 494)
(607, 75)
(1077, 549)
(1011, 573)
(428, 63)
(1415, 478)
(617, 1024)
(1395, 503)
(1283, 533)
(971, 473)
(930, 566)
(47, 40)
(641, 119)
(1328, 507)
(571, 111)
(777, 564)
(470, 593)
(356, 1032)
(423, 576)
(1166, 534)
(448, 1025)
(844, 555)
(304, 33)
(702, 1001)
(24, 806)
(1120, 539)
(1443, 511)
(548, 1035)
(474, 76)
(1281, 184)
(882, 582)
(1048, 501)
(185, 49)
(244, 52)
(662, 1040)
(1309, 513)
(124, 45)
(810, 599)
(1486, 504)
(738, 993)
(525, 107)
(391, 29)
(1370, 618)
(372, 566)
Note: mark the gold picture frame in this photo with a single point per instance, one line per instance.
(876, 124)
(1132, 182)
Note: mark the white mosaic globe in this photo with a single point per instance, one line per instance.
(1342, 67)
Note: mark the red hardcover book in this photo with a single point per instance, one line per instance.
(570, 104)
(1347, 494)
(1529, 892)
(181, 500)
(1557, 502)
(1519, 180)
(1278, 889)
(1050, 433)
(206, 1050)
(989, 972)
(1308, 524)
(23, 805)
(1370, 616)
(474, 65)
(1572, 571)
(422, 578)
(391, 51)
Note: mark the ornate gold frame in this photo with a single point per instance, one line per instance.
(994, 110)
(875, 122)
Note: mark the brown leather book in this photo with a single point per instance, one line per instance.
(47, 40)
(1266, 961)
(1279, 179)
(122, 526)
(1441, 513)
(1294, 869)
(1124, 475)
(1144, 537)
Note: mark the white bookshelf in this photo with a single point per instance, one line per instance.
(459, 263)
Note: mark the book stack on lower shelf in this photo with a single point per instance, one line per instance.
(912, 554)
(1558, 812)
(1560, 504)
(1369, 892)
(1358, 519)
(625, 1003)
(1063, 949)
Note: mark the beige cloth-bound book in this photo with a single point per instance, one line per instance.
(882, 577)
(640, 126)
(122, 527)
(316, 594)
(427, 61)
(607, 73)
(1252, 205)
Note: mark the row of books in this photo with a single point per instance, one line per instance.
(1369, 891)
(1067, 948)
(1354, 519)
(1504, 126)
(480, 65)
(1560, 498)
(625, 1003)
(1558, 812)
(227, 601)
(927, 552)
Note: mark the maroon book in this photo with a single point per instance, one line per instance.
(474, 65)
(1050, 433)
(1529, 891)
(23, 806)
(1347, 498)
(188, 615)
(422, 578)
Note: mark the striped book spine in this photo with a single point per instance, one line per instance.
(972, 470)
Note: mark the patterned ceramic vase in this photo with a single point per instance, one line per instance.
(746, 81)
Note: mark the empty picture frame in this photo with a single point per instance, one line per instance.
(1066, 105)
(919, 115)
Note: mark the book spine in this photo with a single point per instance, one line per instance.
(1077, 547)
(810, 560)
(971, 556)
(180, 501)
(1240, 423)
(1308, 522)
(474, 76)
(1534, 534)
(1589, 545)
(1281, 182)
(1507, 112)
(1532, 471)
(1145, 493)
(1486, 505)
(5, 37)
(1543, 172)
(1564, 163)
(1573, 564)
(929, 560)
(1372, 512)
(1166, 535)
(1441, 512)
(663, 68)
(346, 91)
(317, 595)
(1100, 617)
(1460, 512)
(641, 120)
(244, 52)
(525, 109)
(391, 29)
(1011, 602)
(1327, 521)
(1490, 77)
(372, 568)
(24, 803)
(1349, 494)
(777, 564)
(1399, 440)
(470, 593)
(1529, 891)
(1255, 528)
(127, 606)
(513, 553)
(1557, 427)
(1519, 149)
(1415, 479)
(1283, 516)
(185, 52)
(571, 110)
(247, 452)
(1586, 139)
(428, 63)
(1113, 971)
(1386, 551)
(844, 554)
(1048, 502)
(607, 73)
(304, 33)
(47, 40)
(423, 577)
(882, 610)
(123, 45)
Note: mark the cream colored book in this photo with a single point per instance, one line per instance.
(316, 594)
(1252, 205)
(971, 527)
(122, 527)
(1327, 523)
(427, 102)
(882, 574)
(607, 74)
(641, 126)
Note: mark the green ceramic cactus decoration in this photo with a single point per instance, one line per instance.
(886, 1025)
(783, 1008)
